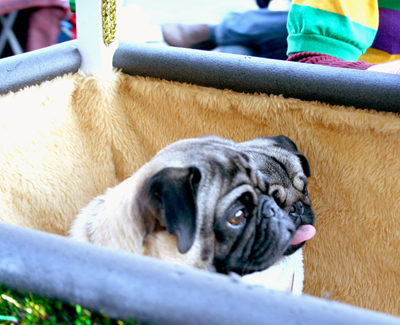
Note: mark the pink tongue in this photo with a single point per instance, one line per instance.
(304, 233)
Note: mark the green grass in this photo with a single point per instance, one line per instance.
(27, 309)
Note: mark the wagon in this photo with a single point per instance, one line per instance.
(345, 121)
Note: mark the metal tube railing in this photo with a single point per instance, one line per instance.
(379, 91)
(127, 286)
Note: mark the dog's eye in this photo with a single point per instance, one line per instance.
(237, 218)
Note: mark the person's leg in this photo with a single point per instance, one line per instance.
(263, 31)
(188, 36)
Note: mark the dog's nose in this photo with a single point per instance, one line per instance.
(269, 207)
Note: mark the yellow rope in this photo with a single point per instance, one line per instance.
(109, 9)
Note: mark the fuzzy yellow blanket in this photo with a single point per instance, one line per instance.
(65, 141)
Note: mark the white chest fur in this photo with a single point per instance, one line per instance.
(287, 274)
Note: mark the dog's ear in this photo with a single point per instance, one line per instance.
(170, 196)
(286, 143)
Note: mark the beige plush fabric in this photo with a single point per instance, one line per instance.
(65, 141)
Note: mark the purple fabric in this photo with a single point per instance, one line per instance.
(328, 60)
(388, 36)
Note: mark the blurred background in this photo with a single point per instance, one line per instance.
(191, 12)
(26, 25)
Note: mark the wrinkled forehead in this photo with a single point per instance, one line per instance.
(230, 165)
(261, 143)
(283, 171)
(219, 156)
(232, 162)
(271, 159)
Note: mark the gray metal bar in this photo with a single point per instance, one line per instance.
(127, 286)
(380, 91)
(19, 71)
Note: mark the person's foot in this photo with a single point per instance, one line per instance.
(188, 36)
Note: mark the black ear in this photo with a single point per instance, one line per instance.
(171, 195)
(286, 143)
(304, 163)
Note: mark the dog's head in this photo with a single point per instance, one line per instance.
(287, 171)
(206, 202)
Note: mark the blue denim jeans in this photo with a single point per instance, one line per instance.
(259, 32)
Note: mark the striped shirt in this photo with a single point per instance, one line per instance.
(350, 30)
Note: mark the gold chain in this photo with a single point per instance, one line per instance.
(109, 9)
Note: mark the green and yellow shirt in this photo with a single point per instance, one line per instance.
(350, 30)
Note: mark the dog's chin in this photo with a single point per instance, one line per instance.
(293, 248)
(250, 264)
(303, 234)
(248, 267)
(257, 266)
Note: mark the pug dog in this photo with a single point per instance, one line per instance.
(209, 203)
(287, 273)
(291, 192)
